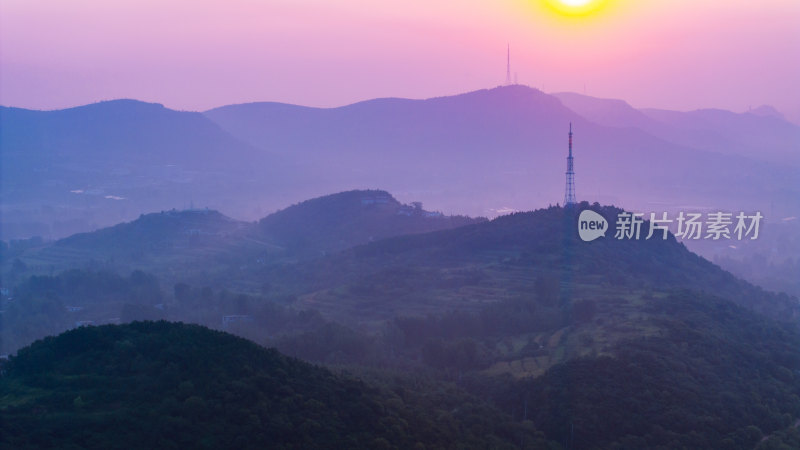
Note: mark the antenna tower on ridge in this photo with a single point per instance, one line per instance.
(569, 194)
(508, 65)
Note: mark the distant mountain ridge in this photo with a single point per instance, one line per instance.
(129, 129)
(476, 153)
(762, 133)
(106, 162)
(505, 146)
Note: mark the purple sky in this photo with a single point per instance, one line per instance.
(198, 54)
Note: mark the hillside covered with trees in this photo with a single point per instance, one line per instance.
(604, 344)
(169, 385)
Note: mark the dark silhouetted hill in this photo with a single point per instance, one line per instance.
(339, 221)
(162, 385)
(201, 241)
(487, 261)
(158, 229)
(166, 242)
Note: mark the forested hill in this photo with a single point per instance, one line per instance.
(603, 344)
(717, 377)
(512, 255)
(160, 232)
(162, 242)
(170, 385)
(339, 221)
(205, 241)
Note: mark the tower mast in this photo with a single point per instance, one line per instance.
(569, 194)
(508, 65)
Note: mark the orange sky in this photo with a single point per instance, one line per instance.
(197, 54)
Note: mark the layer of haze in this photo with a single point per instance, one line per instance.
(198, 54)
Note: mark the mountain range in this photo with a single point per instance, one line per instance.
(761, 134)
(481, 153)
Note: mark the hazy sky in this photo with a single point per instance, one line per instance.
(198, 54)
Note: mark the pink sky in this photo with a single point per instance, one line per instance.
(198, 54)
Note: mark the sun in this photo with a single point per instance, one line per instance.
(576, 7)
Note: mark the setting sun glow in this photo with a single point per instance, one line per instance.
(576, 7)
